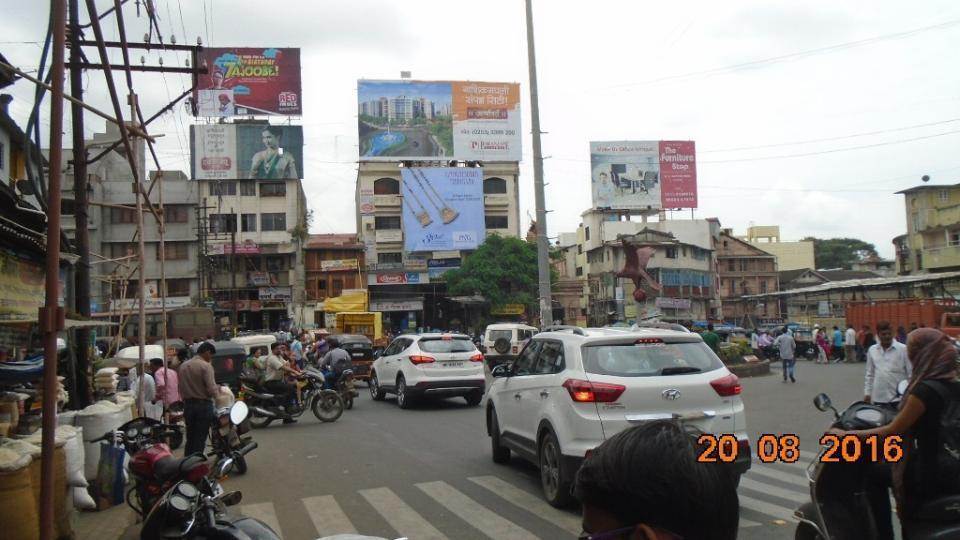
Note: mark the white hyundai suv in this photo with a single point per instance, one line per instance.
(439, 365)
(572, 388)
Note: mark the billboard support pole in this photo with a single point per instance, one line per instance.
(543, 248)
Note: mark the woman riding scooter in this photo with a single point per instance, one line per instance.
(932, 387)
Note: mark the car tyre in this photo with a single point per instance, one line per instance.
(554, 478)
(403, 394)
(474, 398)
(376, 392)
(500, 453)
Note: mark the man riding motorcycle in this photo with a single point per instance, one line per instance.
(334, 363)
(274, 380)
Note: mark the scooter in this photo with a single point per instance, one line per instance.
(265, 407)
(839, 509)
(189, 511)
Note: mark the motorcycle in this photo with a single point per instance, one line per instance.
(190, 512)
(229, 441)
(346, 388)
(265, 407)
(839, 508)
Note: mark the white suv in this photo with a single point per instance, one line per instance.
(571, 388)
(428, 365)
(502, 341)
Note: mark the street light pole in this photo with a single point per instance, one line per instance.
(543, 248)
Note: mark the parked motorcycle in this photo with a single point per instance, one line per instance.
(265, 407)
(229, 441)
(839, 508)
(190, 511)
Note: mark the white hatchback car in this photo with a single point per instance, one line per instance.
(439, 365)
(572, 388)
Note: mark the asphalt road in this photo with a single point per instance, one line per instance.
(427, 473)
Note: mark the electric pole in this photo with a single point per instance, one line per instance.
(543, 247)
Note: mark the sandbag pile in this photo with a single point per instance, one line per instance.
(105, 380)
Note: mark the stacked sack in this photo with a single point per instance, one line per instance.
(75, 456)
(18, 506)
(96, 420)
(62, 396)
(61, 512)
(105, 380)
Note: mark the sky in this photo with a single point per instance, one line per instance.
(806, 115)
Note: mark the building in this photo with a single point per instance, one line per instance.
(568, 291)
(932, 242)
(251, 236)
(408, 287)
(746, 269)
(880, 267)
(823, 308)
(790, 255)
(332, 263)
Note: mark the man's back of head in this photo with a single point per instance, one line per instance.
(648, 478)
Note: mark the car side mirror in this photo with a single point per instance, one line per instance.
(502, 370)
(822, 402)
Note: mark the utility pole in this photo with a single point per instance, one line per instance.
(543, 248)
(233, 272)
(82, 235)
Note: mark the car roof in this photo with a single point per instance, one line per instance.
(345, 338)
(510, 326)
(440, 335)
(591, 334)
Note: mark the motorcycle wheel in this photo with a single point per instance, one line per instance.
(258, 422)
(327, 406)
(176, 440)
(239, 463)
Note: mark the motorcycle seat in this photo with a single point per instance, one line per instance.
(941, 509)
(170, 467)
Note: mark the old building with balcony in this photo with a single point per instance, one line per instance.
(932, 242)
(744, 269)
(332, 263)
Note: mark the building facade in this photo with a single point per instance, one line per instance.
(332, 263)
(932, 242)
(790, 255)
(408, 287)
(745, 269)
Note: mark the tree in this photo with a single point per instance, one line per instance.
(503, 270)
(840, 252)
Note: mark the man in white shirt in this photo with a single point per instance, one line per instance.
(887, 365)
(850, 345)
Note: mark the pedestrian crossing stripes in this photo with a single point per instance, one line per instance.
(767, 492)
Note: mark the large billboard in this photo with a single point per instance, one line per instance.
(643, 175)
(416, 120)
(442, 208)
(246, 151)
(249, 81)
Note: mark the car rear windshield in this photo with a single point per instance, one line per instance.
(497, 334)
(649, 359)
(450, 345)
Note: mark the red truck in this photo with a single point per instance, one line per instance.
(942, 313)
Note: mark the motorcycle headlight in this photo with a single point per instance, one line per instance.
(180, 504)
(187, 490)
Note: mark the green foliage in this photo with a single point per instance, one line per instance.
(442, 129)
(503, 270)
(840, 252)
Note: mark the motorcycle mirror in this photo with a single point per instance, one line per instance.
(902, 387)
(239, 412)
(231, 498)
(822, 402)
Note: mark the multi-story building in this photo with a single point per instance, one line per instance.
(251, 239)
(932, 242)
(746, 269)
(790, 255)
(408, 287)
(332, 263)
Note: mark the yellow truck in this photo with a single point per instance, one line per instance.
(368, 323)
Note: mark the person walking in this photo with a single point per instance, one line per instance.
(822, 347)
(198, 389)
(837, 345)
(168, 383)
(850, 345)
(712, 339)
(788, 349)
(887, 365)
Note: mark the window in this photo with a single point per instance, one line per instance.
(630, 360)
(455, 345)
(393, 257)
(525, 363)
(586, 233)
(731, 265)
(273, 222)
(178, 287)
(550, 360)
(337, 286)
(123, 215)
(744, 265)
(248, 189)
(916, 221)
(223, 223)
(273, 189)
(671, 253)
(387, 222)
(953, 238)
(579, 249)
(176, 214)
(276, 263)
(322, 286)
(386, 186)
(248, 222)
(919, 261)
(579, 271)
(174, 251)
(220, 187)
(733, 286)
(496, 222)
(493, 186)
(683, 251)
(763, 286)
(118, 250)
(944, 195)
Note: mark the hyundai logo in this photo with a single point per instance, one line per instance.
(671, 394)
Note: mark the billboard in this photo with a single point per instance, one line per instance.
(642, 175)
(246, 151)
(249, 81)
(418, 120)
(442, 208)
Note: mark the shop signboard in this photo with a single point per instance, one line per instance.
(258, 279)
(444, 263)
(367, 206)
(437, 273)
(389, 235)
(389, 278)
(509, 309)
(21, 288)
(397, 305)
(672, 303)
(336, 265)
(409, 119)
(281, 294)
(246, 151)
(249, 81)
(643, 175)
(247, 247)
(150, 303)
(442, 207)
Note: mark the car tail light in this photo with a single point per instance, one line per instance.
(419, 359)
(647, 341)
(727, 386)
(593, 392)
(477, 357)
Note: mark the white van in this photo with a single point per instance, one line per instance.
(502, 342)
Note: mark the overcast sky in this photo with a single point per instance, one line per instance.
(879, 73)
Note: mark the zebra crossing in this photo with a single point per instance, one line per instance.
(767, 493)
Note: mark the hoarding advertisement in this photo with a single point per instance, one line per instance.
(643, 175)
(439, 119)
(246, 151)
(249, 81)
(442, 208)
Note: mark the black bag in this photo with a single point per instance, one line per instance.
(948, 452)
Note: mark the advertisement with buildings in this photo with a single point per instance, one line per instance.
(442, 208)
(249, 81)
(643, 175)
(439, 119)
(246, 151)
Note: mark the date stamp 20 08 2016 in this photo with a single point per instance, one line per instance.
(785, 448)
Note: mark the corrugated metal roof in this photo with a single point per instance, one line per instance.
(869, 283)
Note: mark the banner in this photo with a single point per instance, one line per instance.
(442, 208)
(249, 81)
(509, 309)
(246, 151)
(247, 247)
(21, 289)
(282, 294)
(643, 175)
(130, 304)
(406, 119)
(396, 305)
(338, 264)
